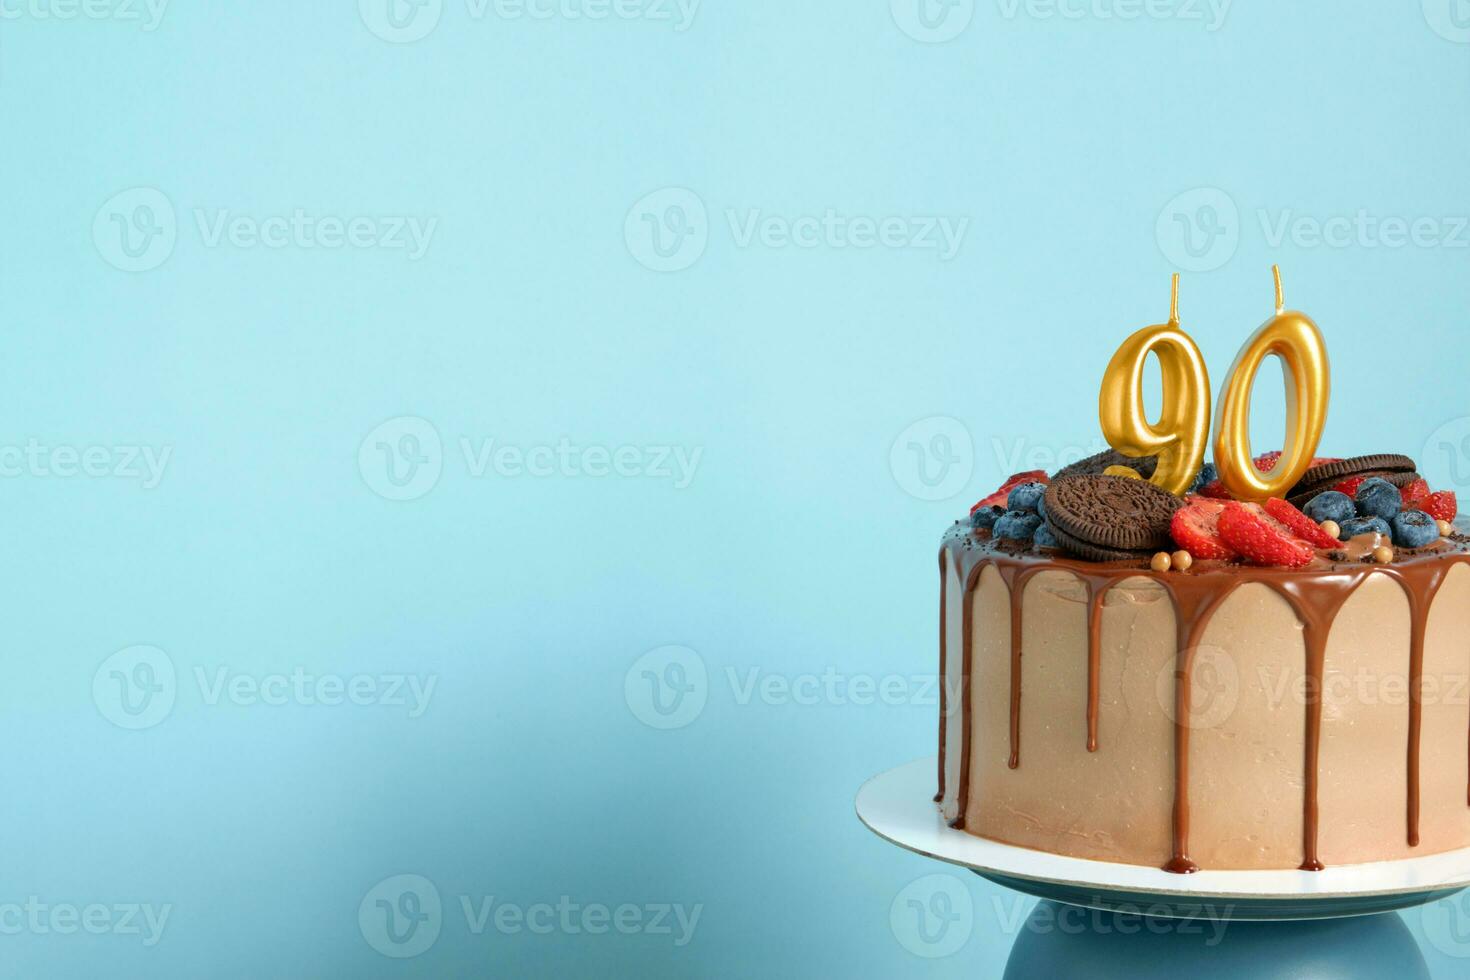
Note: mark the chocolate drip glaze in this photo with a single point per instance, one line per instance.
(1316, 594)
(1094, 658)
(943, 675)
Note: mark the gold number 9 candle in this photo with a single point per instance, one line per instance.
(1294, 339)
(1183, 429)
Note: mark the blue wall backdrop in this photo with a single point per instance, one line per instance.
(473, 469)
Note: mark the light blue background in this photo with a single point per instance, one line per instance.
(797, 547)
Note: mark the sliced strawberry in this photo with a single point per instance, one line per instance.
(1259, 540)
(1194, 528)
(998, 499)
(1415, 492)
(1300, 524)
(1441, 506)
(1350, 486)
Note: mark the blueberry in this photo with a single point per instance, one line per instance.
(1041, 507)
(1026, 496)
(1379, 498)
(1017, 525)
(1365, 525)
(1414, 529)
(1207, 475)
(985, 517)
(1044, 538)
(1331, 506)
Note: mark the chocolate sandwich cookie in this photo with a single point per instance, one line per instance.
(1115, 513)
(1324, 476)
(1089, 552)
(1097, 465)
(1300, 497)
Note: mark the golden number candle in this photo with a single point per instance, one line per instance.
(1295, 339)
(1183, 429)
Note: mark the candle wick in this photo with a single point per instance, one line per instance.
(1280, 303)
(1174, 302)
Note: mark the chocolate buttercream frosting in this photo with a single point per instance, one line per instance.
(1316, 593)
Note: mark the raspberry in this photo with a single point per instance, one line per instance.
(1415, 492)
(1300, 524)
(998, 499)
(1259, 540)
(1441, 506)
(1194, 528)
(1350, 485)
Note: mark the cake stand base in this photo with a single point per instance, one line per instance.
(1070, 941)
(1098, 919)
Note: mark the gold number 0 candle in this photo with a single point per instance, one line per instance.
(1294, 339)
(1183, 429)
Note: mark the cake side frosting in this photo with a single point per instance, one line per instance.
(1080, 749)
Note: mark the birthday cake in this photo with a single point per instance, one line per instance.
(1261, 663)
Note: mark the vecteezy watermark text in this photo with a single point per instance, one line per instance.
(669, 230)
(669, 686)
(147, 13)
(41, 918)
(403, 459)
(136, 688)
(406, 21)
(1211, 13)
(145, 464)
(402, 916)
(138, 229)
(1200, 229)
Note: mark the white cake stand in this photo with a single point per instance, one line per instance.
(899, 807)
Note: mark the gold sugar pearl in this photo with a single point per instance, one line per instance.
(1182, 560)
(1332, 529)
(1161, 562)
(1383, 554)
(1445, 528)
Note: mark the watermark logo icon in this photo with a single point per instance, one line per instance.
(667, 688)
(933, 458)
(1199, 230)
(1446, 925)
(1445, 458)
(401, 21)
(401, 916)
(932, 21)
(401, 459)
(135, 688)
(136, 230)
(1214, 688)
(933, 916)
(1450, 19)
(668, 230)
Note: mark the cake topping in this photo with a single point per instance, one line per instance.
(1092, 552)
(999, 498)
(1111, 512)
(1379, 498)
(1414, 529)
(1097, 465)
(1248, 530)
(1366, 525)
(1331, 505)
(1442, 506)
(1327, 474)
(1299, 524)
(1195, 527)
(1017, 525)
